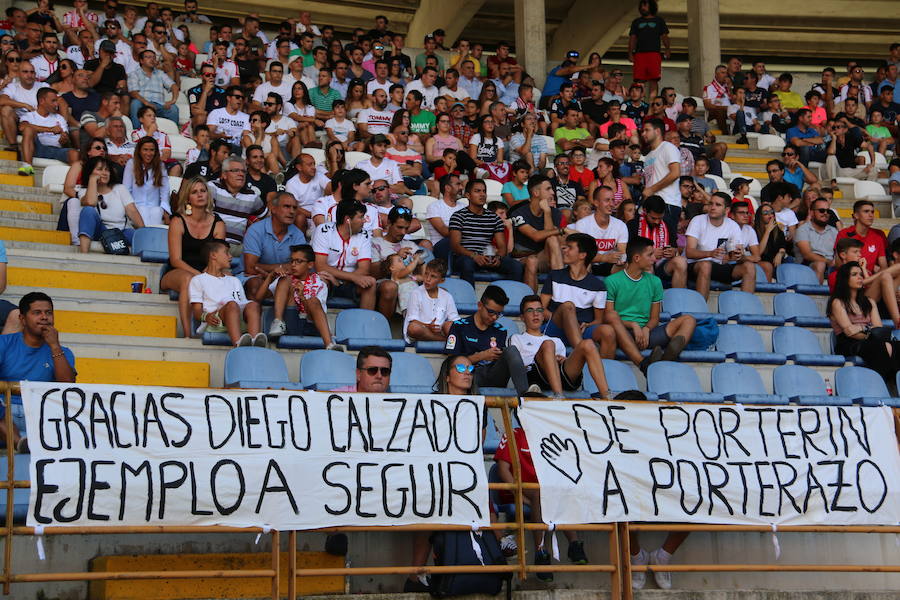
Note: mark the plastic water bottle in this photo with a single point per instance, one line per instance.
(828, 389)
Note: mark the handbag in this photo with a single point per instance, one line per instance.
(113, 241)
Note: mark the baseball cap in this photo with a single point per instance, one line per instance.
(459, 104)
(683, 117)
(737, 182)
(574, 54)
(107, 46)
(379, 138)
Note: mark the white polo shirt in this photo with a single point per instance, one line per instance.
(388, 170)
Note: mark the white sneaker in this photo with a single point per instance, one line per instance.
(260, 340)
(508, 545)
(244, 340)
(336, 347)
(639, 578)
(533, 389)
(663, 578)
(278, 328)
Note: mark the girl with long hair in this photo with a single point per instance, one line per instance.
(484, 146)
(487, 97)
(857, 325)
(607, 173)
(335, 158)
(301, 111)
(193, 224)
(259, 136)
(148, 183)
(401, 117)
(357, 101)
(456, 377)
(71, 204)
(772, 243)
(105, 204)
(64, 76)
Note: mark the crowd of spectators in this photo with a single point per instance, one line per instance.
(605, 191)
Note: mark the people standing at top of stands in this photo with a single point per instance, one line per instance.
(106, 204)
(218, 300)
(150, 86)
(193, 223)
(267, 246)
(344, 249)
(662, 168)
(855, 319)
(146, 180)
(34, 353)
(648, 43)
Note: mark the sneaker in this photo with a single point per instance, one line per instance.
(416, 585)
(674, 348)
(533, 389)
(336, 544)
(576, 553)
(278, 328)
(22, 446)
(542, 558)
(260, 340)
(663, 578)
(26, 170)
(508, 545)
(336, 347)
(244, 340)
(742, 139)
(655, 356)
(639, 578)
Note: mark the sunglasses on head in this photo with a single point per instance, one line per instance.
(372, 371)
(461, 368)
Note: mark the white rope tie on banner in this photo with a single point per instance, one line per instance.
(554, 545)
(39, 541)
(265, 530)
(775, 541)
(476, 547)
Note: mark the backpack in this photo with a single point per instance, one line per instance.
(705, 335)
(456, 548)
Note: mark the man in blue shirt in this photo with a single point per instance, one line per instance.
(267, 246)
(559, 75)
(807, 139)
(34, 354)
(9, 312)
(483, 340)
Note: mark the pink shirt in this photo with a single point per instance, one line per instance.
(629, 124)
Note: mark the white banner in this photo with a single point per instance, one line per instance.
(601, 462)
(115, 455)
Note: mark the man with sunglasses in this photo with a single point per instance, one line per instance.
(230, 121)
(814, 239)
(484, 342)
(843, 147)
(795, 171)
(113, 32)
(206, 96)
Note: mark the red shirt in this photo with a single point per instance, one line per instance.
(502, 453)
(584, 177)
(874, 244)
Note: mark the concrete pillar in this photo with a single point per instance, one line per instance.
(704, 43)
(609, 20)
(531, 38)
(450, 15)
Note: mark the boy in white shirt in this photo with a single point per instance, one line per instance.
(218, 301)
(339, 128)
(431, 310)
(545, 359)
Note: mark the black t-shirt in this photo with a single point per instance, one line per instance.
(465, 338)
(846, 152)
(264, 185)
(407, 63)
(522, 215)
(890, 111)
(110, 78)
(649, 31)
(560, 106)
(636, 113)
(755, 98)
(247, 70)
(202, 169)
(694, 143)
(566, 193)
(90, 103)
(597, 111)
(215, 99)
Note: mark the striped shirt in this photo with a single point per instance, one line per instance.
(477, 230)
(236, 209)
(586, 294)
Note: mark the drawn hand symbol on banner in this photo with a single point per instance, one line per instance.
(562, 456)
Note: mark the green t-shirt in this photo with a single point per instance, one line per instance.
(323, 101)
(878, 131)
(422, 123)
(308, 59)
(579, 133)
(420, 61)
(633, 299)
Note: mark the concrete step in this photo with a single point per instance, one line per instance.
(36, 206)
(79, 280)
(141, 372)
(35, 235)
(91, 262)
(67, 250)
(104, 323)
(20, 220)
(79, 299)
(22, 192)
(8, 176)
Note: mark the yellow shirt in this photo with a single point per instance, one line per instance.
(790, 99)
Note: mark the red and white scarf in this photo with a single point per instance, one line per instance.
(659, 234)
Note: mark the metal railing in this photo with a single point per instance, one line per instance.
(618, 567)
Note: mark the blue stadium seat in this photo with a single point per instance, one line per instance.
(463, 295)
(491, 437)
(864, 386)
(487, 276)
(516, 290)
(800, 278)
(802, 346)
(301, 333)
(251, 367)
(509, 508)
(742, 384)
(744, 344)
(151, 244)
(411, 374)
(358, 327)
(327, 370)
(424, 347)
(803, 385)
(677, 382)
(679, 301)
(800, 310)
(762, 285)
(619, 378)
(746, 309)
(511, 325)
(21, 463)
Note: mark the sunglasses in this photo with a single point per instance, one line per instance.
(766, 212)
(268, 104)
(401, 209)
(460, 368)
(821, 210)
(656, 104)
(381, 188)
(239, 97)
(372, 371)
(101, 201)
(13, 59)
(788, 154)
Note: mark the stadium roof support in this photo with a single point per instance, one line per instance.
(452, 16)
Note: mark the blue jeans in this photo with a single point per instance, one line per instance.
(90, 224)
(52, 152)
(509, 267)
(17, 414)
(170, 113)
(814, 153)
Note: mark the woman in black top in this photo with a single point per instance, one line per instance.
(193, 224)
(772, 243)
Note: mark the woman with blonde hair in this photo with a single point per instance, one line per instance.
(193, 224)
